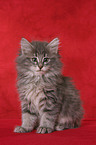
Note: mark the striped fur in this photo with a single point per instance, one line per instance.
(49, 101)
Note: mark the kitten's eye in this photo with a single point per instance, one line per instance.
(34, 59)
(46, 60)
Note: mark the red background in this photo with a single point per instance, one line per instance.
(74, 23)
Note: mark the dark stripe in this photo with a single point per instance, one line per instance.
(50, 79)
(51, 98)
(50, 119)
(42, 100)
(41, 106)
(48, 93)
(31, 113)
(48, 104)
(47, 110)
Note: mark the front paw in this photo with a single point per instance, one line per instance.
(20, 129)
(43, 130)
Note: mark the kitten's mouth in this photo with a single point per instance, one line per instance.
(40, 71)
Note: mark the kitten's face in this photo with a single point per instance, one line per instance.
(40, 64)
(39, 57)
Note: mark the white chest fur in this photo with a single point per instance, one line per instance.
(34, 94)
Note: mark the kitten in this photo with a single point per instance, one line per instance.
(49, 101)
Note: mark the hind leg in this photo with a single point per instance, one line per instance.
(64, 123)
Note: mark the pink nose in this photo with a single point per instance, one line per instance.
(40, 66)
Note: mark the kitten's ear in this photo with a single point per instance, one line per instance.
(53, 45)
(26, 47)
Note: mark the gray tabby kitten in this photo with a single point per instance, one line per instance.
(49, 101)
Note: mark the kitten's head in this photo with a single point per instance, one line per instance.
(39, 57)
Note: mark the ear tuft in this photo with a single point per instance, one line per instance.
(54, 45)
(26, 46)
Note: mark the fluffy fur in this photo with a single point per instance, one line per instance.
(49, 100)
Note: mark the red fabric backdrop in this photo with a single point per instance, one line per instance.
(73, 21)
